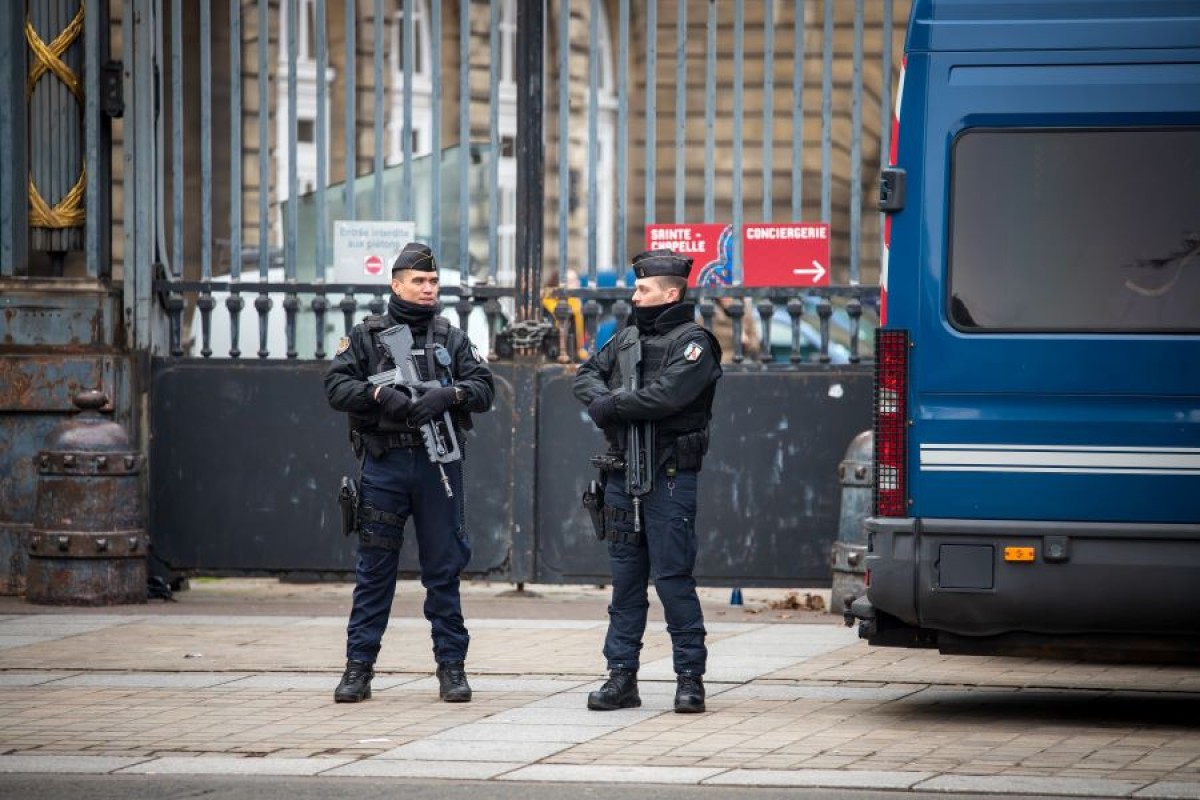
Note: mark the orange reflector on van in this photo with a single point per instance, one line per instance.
(1018, 554)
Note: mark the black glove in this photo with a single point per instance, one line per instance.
(432, 404)
(394, 403)
(603, 410)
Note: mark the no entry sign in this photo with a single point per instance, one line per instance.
(363, 250)
(786, 254)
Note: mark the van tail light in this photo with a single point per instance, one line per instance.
(891, 429)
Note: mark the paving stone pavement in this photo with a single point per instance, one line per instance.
(209, 690)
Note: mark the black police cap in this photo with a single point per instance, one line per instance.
(415, 256)
(661, 263)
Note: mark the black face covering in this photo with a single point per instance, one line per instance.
(415, 315)
(647, 316)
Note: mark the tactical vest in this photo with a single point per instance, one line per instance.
(426, 364)
(656, 352)
(423, 351)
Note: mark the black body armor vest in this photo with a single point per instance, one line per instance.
(656, 351)
(424, 344)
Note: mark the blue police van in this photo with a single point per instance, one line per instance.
(1037, 419)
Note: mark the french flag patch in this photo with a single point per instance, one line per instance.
(693, 352)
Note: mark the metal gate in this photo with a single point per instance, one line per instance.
(250, 127)
(62, 326)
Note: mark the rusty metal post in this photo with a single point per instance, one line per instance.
(849, 553)
(88, 542)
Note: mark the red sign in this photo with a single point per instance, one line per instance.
(373, 265)
(786, 254)
(708, 245)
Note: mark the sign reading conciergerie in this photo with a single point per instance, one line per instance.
(363, 251)
(786, 254)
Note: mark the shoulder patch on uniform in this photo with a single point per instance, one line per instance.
(343, 345)
(478, 356)
(693, 351)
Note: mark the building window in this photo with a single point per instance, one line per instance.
(506, 121)
(421, 89)
(307, 37)
(603, 217)
(421, 34)
(306, 101)
(306, 131)
(508, 43)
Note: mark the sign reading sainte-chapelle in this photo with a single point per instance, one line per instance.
(707, 244)
(786, 254)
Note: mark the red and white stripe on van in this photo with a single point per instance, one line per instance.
(887, 218)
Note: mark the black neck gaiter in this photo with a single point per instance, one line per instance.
(414, 315)
(647, 316)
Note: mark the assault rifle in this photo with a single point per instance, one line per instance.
(639, 441)
(441, 443)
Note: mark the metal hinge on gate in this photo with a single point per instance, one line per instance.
(891, 189)
(112, 90)
(523, 335)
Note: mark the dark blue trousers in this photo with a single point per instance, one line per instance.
(405, 483)
(666, 554)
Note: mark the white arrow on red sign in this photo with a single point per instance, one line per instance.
(816, 270)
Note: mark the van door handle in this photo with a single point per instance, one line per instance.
(891, 190)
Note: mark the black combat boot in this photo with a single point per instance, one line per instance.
(356, 683)
(452, 683)
(619, 691)
(689, 694)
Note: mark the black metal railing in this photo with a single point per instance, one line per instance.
(195, 316)
(823, 325)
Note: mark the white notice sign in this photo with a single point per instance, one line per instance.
(363, 252)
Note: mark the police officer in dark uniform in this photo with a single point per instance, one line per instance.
(679, 368)
(398, 478)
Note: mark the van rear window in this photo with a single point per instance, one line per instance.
(1075, 230)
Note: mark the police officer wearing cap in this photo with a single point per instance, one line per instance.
(399, 480)
(679, 369)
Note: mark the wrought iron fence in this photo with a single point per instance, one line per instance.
(290, 63)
